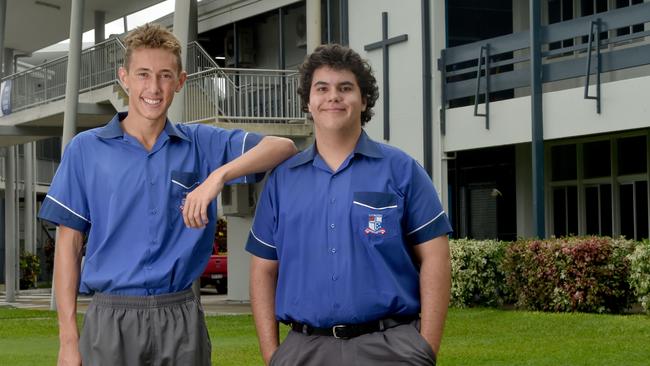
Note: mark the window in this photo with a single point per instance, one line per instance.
(637, 28)
(598, 209)
(563, 161)
(632, 155)
(565, 211)
(49, 149)
(596, 162)
(591, 7)
(634, 210)
(560, 11)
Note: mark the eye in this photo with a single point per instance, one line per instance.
(142, 75)
(321, 88)
(167, 76)
(346, 88)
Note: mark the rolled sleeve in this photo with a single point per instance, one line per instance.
(426, 219)
(66, 202)
(260, 240)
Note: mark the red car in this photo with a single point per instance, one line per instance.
(216, 272)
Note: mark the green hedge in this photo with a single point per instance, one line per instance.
(640, 273)
(476, 272)
(587, 274)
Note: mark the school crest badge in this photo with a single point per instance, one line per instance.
(374, 225)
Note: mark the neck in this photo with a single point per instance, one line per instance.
(335, 146)
(143, 130)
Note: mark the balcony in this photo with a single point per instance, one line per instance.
(595, 74)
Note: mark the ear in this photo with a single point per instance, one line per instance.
(122, 74)
(181, 81)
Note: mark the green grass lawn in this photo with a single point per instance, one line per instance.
(472, 337)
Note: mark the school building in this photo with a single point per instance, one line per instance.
(531, 116)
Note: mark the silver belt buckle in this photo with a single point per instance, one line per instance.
(334, 328)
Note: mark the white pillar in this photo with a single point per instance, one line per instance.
(313, 18)
(71, 87)
(185, 29)
(238, 258)
(28, 156)
(11, 259)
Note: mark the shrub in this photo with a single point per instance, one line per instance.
(640, 273)
(477, 278)
(30, 268)
(587, 274)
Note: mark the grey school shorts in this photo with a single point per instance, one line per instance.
(145, 330)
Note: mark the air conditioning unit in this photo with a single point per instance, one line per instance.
(238, 200)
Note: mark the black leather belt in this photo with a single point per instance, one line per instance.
(344, 331)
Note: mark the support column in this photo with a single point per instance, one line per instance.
(185, 29)
(100, 25)
(71, 88)
(438, 41)
(539, 225)
(238, 258)
(313, 19)
(11, 258)
(30, 241)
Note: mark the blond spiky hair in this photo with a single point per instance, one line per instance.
(152, 35)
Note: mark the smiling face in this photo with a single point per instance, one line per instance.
(152, 77)
(335, 101)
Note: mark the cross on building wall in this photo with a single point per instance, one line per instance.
(383, 44)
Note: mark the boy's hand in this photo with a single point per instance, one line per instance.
(195, 207)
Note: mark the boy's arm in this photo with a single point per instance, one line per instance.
(263, 280)
(268, 153)
(67, 264)
(435, 287)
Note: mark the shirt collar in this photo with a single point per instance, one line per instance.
(113, 129)
(365, 146)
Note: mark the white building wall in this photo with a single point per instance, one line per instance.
(566, 114)
(405, 74)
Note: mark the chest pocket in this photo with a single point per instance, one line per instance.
(182, 183)
(376, 217)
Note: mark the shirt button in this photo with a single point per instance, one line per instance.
(153, 241)
(332, 200)
(335, 277)
(333, 250)
(152, 182)
(154, 211)
(332, 226)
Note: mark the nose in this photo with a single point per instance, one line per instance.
(334, 95)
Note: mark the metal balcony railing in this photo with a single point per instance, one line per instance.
(46, 83)
(212, 93)
(570, 50)
(243, 95)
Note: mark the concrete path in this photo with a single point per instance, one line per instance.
(213, 304)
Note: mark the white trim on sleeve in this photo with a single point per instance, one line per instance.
(243, 149)
(261, 241)
(430, 221)
(67, 208)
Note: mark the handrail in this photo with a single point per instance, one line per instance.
(595, 23)
(485, 48)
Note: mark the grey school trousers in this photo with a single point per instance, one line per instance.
(401, 345)
(145, 330)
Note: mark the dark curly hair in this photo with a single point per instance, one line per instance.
(339, 57)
